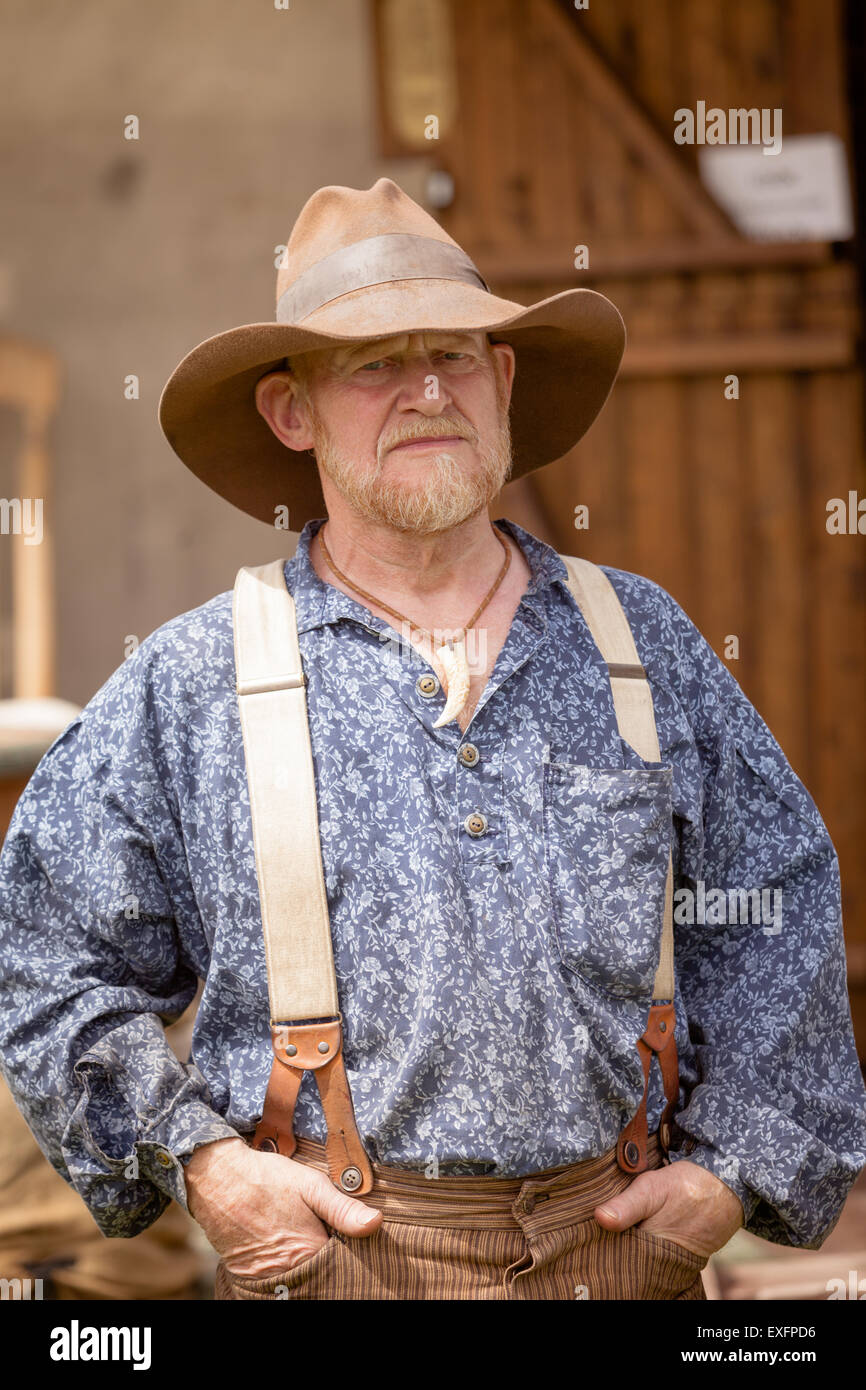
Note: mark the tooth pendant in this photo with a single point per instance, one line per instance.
(456, 667)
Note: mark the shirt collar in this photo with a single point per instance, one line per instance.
(318, 603)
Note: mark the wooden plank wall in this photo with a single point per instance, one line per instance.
(722, 502)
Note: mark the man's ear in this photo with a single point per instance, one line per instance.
(505, 364)
(278, 401)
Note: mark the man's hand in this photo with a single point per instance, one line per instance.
(261, 1211)
(682, 1202)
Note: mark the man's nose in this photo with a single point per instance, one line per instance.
(420, 388)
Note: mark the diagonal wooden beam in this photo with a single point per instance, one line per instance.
(655, 150)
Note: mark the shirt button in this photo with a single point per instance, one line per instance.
(476, 824)
(165, 1159)
(469, 755)
(428, 686)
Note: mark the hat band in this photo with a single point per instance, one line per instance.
(375, 261)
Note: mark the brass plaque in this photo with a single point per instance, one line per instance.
(418, 71)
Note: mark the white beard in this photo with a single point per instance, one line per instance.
(445, 494)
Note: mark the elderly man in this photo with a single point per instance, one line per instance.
(493, 848)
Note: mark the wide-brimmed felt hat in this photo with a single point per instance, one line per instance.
(371, 263)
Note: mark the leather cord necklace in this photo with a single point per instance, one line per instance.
(451, 654)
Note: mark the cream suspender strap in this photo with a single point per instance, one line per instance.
(306, 1024)
(633, 704)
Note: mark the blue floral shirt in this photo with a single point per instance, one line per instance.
(493, 986)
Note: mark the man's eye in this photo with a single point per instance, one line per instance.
(454, 356)
(373, 366)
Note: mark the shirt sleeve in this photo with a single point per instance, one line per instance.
(93, 880)
(775, 1104)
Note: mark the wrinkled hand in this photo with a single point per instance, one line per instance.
(261, 1211)
(682, 1202)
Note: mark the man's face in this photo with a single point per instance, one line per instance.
(413, 430)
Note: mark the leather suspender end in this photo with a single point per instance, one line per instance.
(316, 1047)
(658, 1037)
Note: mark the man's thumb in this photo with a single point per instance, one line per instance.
(344, 1213)
(634, 1204)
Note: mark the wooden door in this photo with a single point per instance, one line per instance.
(558, 132)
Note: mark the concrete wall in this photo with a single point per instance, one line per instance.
(122, 255)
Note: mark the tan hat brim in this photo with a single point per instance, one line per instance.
(568, 350)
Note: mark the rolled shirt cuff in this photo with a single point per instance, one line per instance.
(163, 1154)
(126, 1191)
(127, 1138)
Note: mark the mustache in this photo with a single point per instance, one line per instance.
(441, 427)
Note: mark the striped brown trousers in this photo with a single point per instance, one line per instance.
(487, 1238)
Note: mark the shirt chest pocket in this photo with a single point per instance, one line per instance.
(606, 841)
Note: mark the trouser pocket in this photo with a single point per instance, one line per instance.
(587, 1262)
(309, 1279)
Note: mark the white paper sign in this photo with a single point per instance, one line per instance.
(801, 194)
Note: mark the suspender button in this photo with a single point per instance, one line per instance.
(350, 1179)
